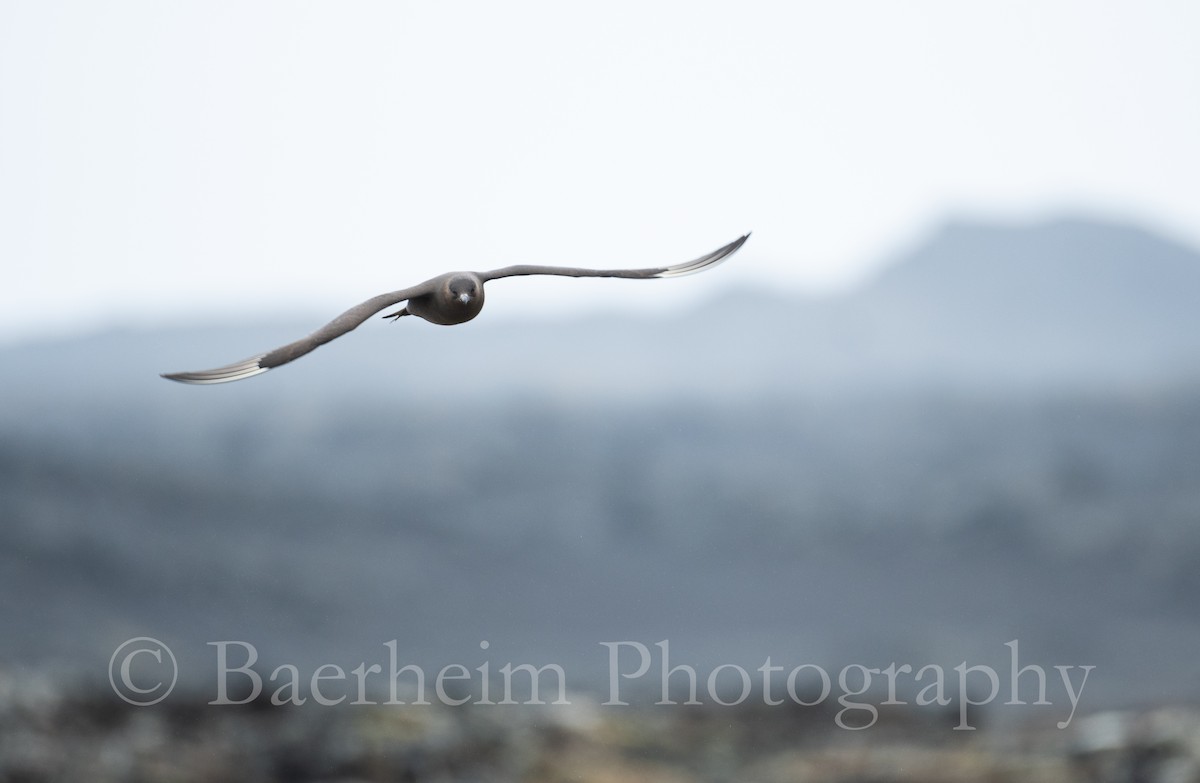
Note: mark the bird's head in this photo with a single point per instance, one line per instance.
(464, 291)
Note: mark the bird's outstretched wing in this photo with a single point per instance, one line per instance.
(335, 328)
(676, 270)
(356, 315)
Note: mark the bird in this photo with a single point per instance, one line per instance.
(448, 299)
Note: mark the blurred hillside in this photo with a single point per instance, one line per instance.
(996, 439)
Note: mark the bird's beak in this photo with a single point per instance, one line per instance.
(464, 298)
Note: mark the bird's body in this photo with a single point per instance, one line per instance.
(448, 299)
(456, 298)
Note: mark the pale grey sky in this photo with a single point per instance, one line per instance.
(177, 160)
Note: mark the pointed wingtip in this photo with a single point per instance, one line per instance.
(706, 261)
(246, 368)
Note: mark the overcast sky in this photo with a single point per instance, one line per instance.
(176, 161)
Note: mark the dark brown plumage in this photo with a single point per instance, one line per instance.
(452, 298)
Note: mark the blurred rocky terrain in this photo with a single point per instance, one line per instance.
(996, 439)
(50, 734)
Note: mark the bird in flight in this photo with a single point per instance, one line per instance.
(452, 298)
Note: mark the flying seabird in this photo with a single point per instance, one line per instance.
(452, 298)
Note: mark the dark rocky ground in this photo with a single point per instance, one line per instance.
(50, 734)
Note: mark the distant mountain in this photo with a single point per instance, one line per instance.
(1069, 300)
(1069, 303)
